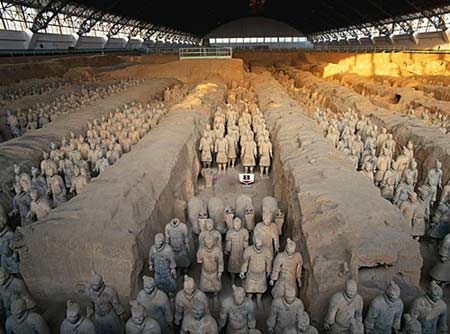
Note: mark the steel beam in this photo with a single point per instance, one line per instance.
(46, 14)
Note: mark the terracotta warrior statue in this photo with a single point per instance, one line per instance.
(21, 204)
(162, 261)
(265, 154)
(279, 221)
(201, 322)
(255, 269)
(106, 305)
(24, 321)
(287, 270)
(249, 152)
(178, 238)
(56, 187)
(140, 322)
(268, 232)
(206, 147)
(385, 312)
(285, 311)
(156, 304)
(237, 313)
(211, 258)
(431, 311)
(434, 180)
(345, 310)
(75, 322)
(10, 288)
(236, 241)
(40, 206)
(441, 271)
(232, 149)
(221, 150)
(185, 301)
(210, 230)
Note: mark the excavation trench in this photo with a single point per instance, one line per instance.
(110, 226)
(342, 225)
(26, 151)
(430, 144)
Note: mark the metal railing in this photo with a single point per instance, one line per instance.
(202, 53)
(372, 49)
(61, 52)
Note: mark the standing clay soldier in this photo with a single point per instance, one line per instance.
(186, 299)
(40, 206)
(6, 235)
(10, 288)
(265, 154)
(75, 322)
(385, 312)
(268, 232)
(421, 213)
(140, 322)
(232, 150)
(39, 182)
(383, 163)
(279, 221)
(210, 230)
(255, 269)
(285, 311)
(440, 272)
(201, 322)
(403, 191)
(431, 311)
(24, 321)
(434, 180)
(177, 237)
(439, 221)
(248, 154)
(206, 146)
(249, 218)
(237, 313)
(162, 261)
(287, 270)
(236, 241)
(303, 326)
(408, 208)
(211, 258)
(101, 163)
(156, 304)
(445, 193)
(345, 310)
(221, 149)
(79, 181)
(56, 187)
(21, 204)
(9, 259)
(106, 305)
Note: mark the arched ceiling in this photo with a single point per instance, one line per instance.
(201, 16)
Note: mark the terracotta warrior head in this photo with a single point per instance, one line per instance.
(237, 223)
(238, 295)
(351, 289)
(73, 313)
(188, 285)
(434, 292)
(393, 291)
(137, 312)
(159, 240)
(290, 246)
(96, 282)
